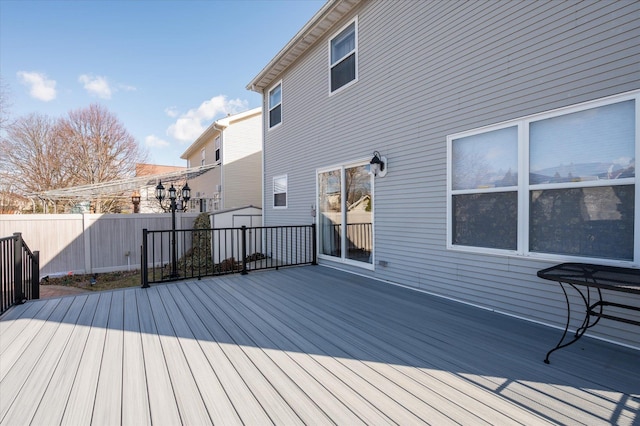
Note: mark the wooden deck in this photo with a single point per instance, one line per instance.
(306, 345)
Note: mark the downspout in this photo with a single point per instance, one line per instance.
(221, 165)
(259, 90)
(264, 138)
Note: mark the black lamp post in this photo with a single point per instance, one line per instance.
(185, 195)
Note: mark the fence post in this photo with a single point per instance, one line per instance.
(244, 250)
(17, 269)
(144, 266)
(35, 275)
(314, 243)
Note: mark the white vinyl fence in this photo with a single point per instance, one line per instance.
(88, 243)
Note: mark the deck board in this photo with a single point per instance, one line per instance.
(476, 360)
(205, 329)
(244, 356)
(190, 405)
(79, 406)
(162, 402)
(52, 405)
(135, 400)
(308, 345)
(450, 399)
(356, 374)
(217, 404)
(33, 386)
(107, 409)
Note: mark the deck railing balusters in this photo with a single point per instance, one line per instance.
(226, 250)
(20, 277)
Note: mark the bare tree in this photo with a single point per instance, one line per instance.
(5, 104)
(6, 197)
(89, 146)
(101, 150)
(34, 154)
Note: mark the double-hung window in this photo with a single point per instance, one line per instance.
(343, 57)
(555, 185)
(280, 191)
(217, 148)
(203, 157)
(275, 105)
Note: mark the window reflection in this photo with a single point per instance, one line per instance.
(486, 160)
(330, 212)
(594, 144)
(592, 222)
(359, 238)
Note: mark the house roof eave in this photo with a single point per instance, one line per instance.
(206, 135)
(318, 25)
(217, 126)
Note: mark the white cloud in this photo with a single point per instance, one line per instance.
(190, 125)
(96, 85)
(40, 87)
(152, 141)
(172, 112)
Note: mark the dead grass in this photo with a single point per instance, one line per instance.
(97, 282)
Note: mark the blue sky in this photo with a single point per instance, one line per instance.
(166, 69)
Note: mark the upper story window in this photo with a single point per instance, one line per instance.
(202, 157)
(275, 105)
(280, 191)
(217, 148)
(554, 185)
(343, 57)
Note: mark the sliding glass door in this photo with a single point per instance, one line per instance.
(345, 202)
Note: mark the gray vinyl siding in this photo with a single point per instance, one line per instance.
(427, 70)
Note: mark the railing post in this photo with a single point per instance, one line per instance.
(35, 275)
(244, 250)
(144, 268)
(314, 242)
(17, 269)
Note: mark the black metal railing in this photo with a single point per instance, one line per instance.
(359, 240)
(19, 272)
(179, 254)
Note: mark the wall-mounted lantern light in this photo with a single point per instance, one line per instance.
(378, 165)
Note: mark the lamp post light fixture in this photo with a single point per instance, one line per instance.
(378, 165)
(135, 199)
(184, 196)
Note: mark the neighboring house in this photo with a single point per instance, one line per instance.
(234, 143)
(510, 129)
(148, 202)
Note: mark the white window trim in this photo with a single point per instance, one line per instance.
(330, 65)
(203, 157)
(343, 260)
(269, 126)
(286, 176)
(524, 188)
(217, 146)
